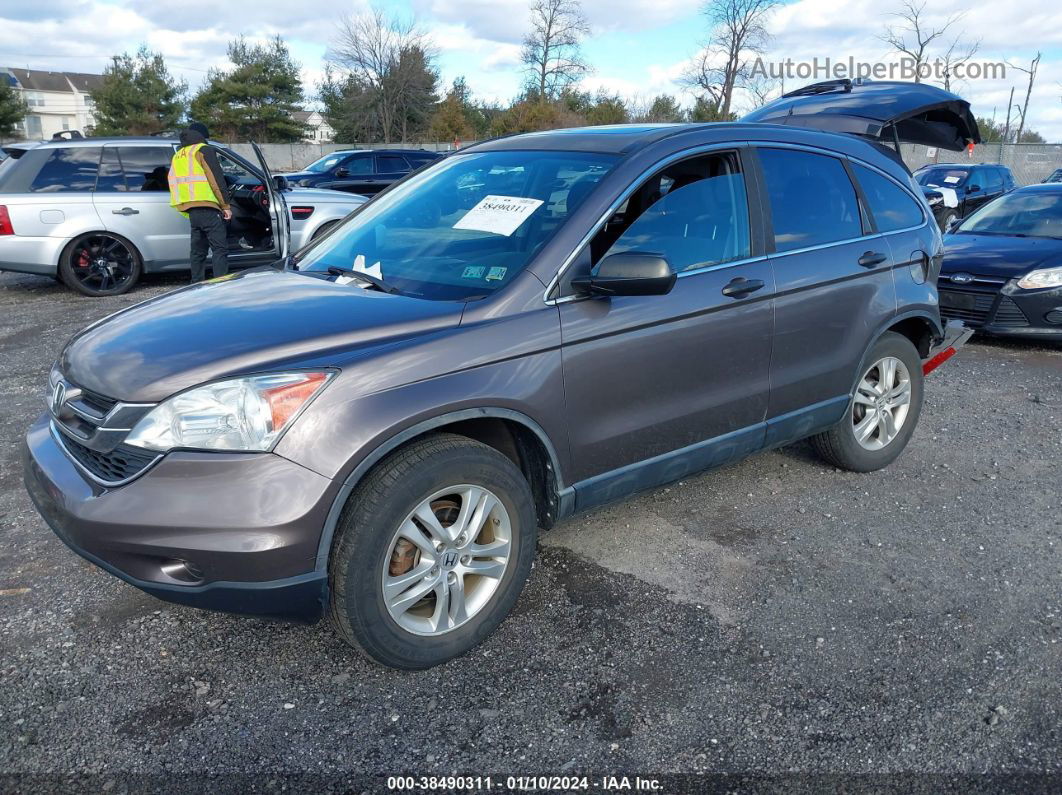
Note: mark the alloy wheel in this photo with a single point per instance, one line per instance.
(446, 560)
(101, 263)
(882, 401)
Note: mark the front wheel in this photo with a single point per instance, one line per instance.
(99, 264)
(884, 409)
(432, 552)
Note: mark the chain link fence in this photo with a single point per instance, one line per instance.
(1029, 163)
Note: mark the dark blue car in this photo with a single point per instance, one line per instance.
(362, 171)
(1002, 271)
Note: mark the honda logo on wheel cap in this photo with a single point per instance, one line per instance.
(450, 559)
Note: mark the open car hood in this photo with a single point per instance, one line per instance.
(915, 113)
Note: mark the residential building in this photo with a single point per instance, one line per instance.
(318, 130)
(57, 101)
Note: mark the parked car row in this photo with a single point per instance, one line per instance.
(954, 190)
(362, 171)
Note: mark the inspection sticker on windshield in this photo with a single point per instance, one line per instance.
(501, 215)
(952, 180)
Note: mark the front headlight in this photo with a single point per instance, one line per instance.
(246, 414)
(1037, 280)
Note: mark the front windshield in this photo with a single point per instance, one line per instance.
(942, 177)
(465, 226)
(324, 164)
(1032, 214)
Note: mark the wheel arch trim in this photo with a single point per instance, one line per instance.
(914, 314)
(395, 441)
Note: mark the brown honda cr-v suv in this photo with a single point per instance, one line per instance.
(376, 427)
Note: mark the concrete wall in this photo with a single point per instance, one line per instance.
(295, 157)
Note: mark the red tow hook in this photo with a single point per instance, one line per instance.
(955, 336)
(932, 364)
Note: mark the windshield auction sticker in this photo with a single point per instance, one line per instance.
(500, 215)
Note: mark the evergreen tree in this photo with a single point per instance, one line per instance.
(12, 108)
(138, 96)
(254, 100)
(663, 109)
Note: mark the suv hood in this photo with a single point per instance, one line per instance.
(257, 321)
(999, 255)
(318, 195)
(920, 113)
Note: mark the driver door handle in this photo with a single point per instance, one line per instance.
(740, 287)
(126, 211)
(871, 258)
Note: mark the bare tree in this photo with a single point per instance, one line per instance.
(552, 48)
(913, 34)
(762, 89)
(1024, 108)
(389, 60)
(737, 31)
(957, 55)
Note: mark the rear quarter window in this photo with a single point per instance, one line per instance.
(69, 170)
(892, 207)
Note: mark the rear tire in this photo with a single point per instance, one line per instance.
(99, 264)
(884, 410)
(405, 590)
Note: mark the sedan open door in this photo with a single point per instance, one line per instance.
(278, 207)
(887, 111)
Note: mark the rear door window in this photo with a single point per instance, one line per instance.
(892, 207)
(146, 168)
(68, 170)
(391, 164)
(812, 200)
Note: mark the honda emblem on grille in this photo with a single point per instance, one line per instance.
(961, 278)
(58, 396)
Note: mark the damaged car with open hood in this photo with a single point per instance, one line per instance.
(375, 428)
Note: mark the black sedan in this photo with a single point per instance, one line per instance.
(362, 171)
(1002, 271)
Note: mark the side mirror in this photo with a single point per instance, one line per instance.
(974, 188)
(629, 273)
(280, 182)
(342, 172)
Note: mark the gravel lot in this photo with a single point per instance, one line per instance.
(772, 617)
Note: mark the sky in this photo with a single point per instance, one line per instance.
(638, 48)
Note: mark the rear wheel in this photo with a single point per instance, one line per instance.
(884, 409)
(947, 220)
(99, 263)
(432, 552)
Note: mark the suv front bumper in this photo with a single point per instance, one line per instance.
(236, 532)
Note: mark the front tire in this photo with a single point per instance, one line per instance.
(884, 411)
(432, 552)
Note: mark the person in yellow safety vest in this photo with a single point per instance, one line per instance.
(198, 190)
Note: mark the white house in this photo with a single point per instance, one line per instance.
(318, 130)
(57, 101)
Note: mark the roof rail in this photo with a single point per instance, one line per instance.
(825, 87)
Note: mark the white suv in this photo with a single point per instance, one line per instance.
(95, 212)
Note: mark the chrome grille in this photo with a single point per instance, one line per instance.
(92, 429)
